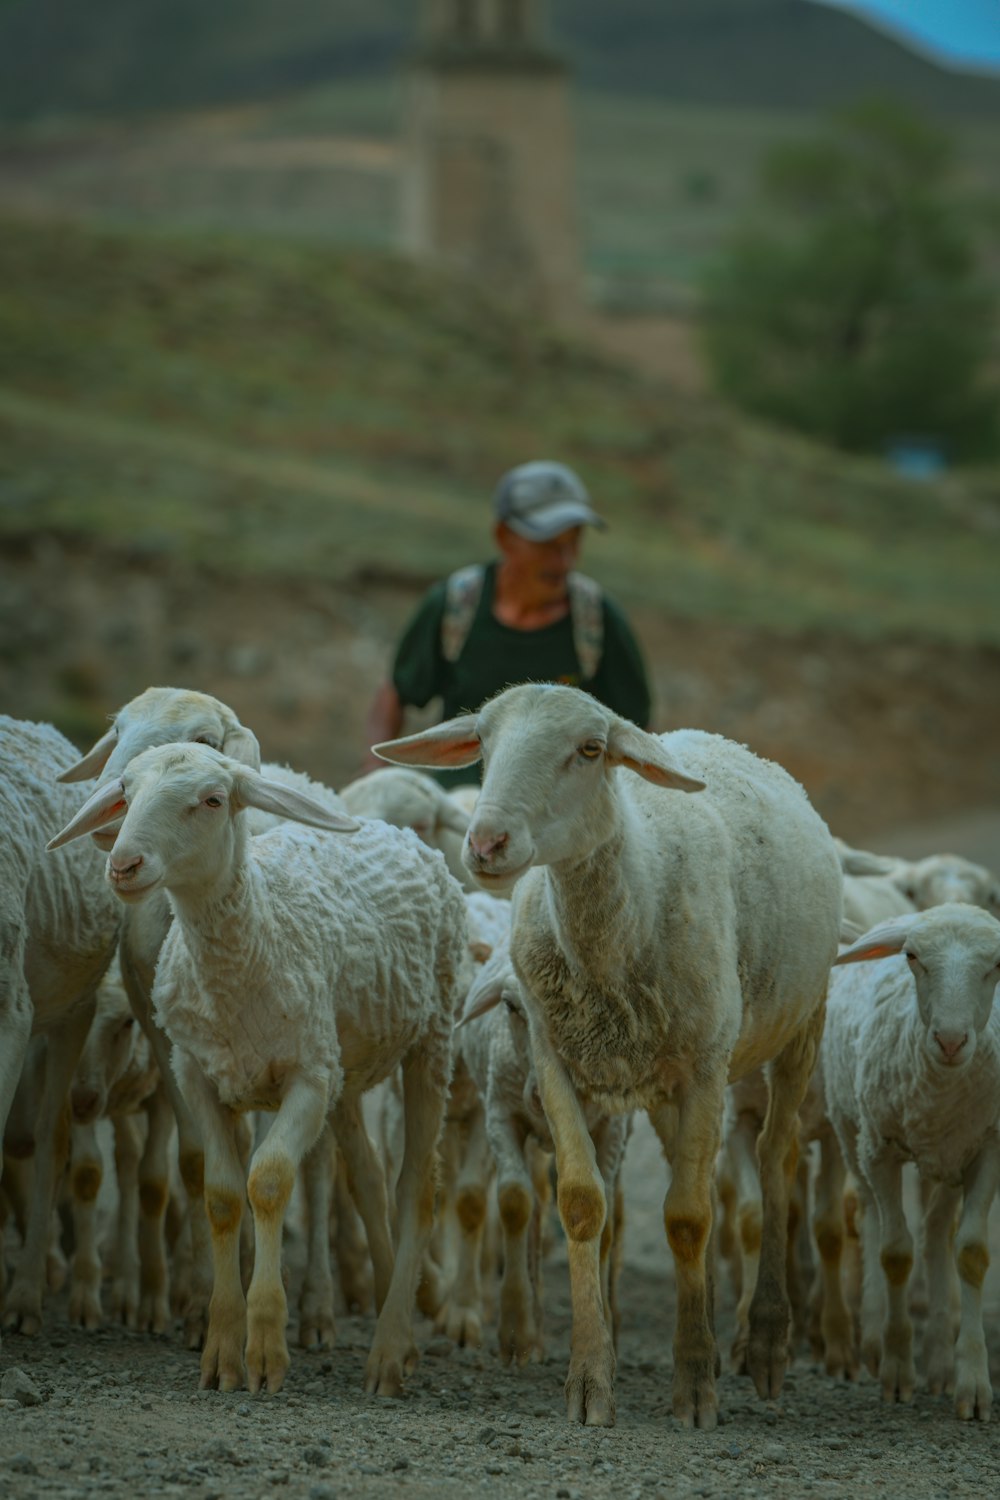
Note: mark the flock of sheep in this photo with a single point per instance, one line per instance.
(418, 1010)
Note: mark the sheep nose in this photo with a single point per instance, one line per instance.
(124, 866)
(84, 1102)
(950, 1044)
(485, 844)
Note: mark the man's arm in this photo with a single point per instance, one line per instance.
(384, 722)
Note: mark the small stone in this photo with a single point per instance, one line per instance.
(486, 1434)
(400, 1463)
(775, 1453)
(440, 1348)
(322, 1492)
(15, 1385)
(22, 1464)
(316, 1456)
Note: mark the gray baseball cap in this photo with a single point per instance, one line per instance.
(540, 499)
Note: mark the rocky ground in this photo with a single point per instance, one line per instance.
(121, 1414)
(884, 736)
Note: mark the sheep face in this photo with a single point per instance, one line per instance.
(180, 828)
(108, 1052)
(948, 877)
(161, 716)
(547, 795)
(953, 953)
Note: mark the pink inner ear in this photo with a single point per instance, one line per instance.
(430, 753)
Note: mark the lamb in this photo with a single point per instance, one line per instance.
(409, 799)
(663, 944)
(58, 930)
(911, 1067)
(116, 1079)
(300, 969)
(158, 716)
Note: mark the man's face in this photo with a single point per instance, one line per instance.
(543, 565)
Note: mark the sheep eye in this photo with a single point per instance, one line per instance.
(591, 749)
(209, 740)
(213, 801)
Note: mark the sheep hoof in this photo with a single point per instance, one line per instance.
(384, 1372)
(897, 1378)
(24, 1312)
(460, 1324)
(222, 1359)
(590, 1398)
(767, 1361)
(694, 1400)
(973, 1392)
(267, 1356)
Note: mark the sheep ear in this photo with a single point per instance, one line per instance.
(102, 806)
(241, 744)
(880, 942)
(861, 862)
(253, 790)
(486, 1000)
(643, 753)
(93, 763)
(450, 745)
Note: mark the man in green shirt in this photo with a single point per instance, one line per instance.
(526, 617)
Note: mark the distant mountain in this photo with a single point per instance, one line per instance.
(120, 57)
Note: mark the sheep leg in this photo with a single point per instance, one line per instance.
(124, 1301)
(590, 1395)
(316, 1319)
(940, 1208)
(425, 1086)
(460, 1316)
(973, 1392)
(65, 1044)
(518, 1331)
(297, 1127)
(15, 1034)
(836, 1329)
(896, 1373)
(777, 1154)
(225, 1194)
(366, 1180)
(610, 1138)
(350, 1244)
(86, 1174)
(152, 1185)
(190, 1157)
(691, 1140)
(742, 1151)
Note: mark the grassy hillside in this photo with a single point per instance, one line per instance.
(113, 57)
(269, 407)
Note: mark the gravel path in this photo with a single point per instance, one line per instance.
(121, 1414)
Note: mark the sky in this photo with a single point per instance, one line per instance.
(963, 33)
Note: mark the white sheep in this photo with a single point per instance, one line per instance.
(947, 877)
(411, 799)
(117, 1079)
(911, 1069)
(664, 944)
(159, 716)
(58, 928)
(300, 969)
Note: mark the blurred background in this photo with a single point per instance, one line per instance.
(284, 287)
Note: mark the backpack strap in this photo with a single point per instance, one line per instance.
(586, 602)
(463, 591)
(461, 600)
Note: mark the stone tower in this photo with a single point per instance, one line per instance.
(487, 152)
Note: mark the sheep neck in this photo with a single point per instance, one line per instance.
(597, 908)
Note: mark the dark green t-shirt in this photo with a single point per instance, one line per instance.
(496, 656)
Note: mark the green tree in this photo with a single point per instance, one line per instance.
(853, 307)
